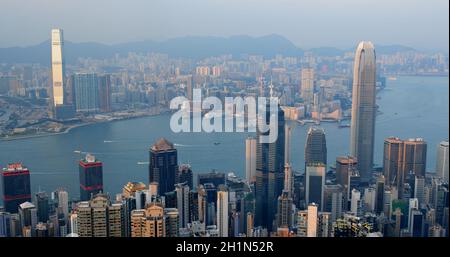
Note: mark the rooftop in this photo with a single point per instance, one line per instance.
(162, 145)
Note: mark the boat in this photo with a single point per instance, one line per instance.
(77, 151)
(216, 143)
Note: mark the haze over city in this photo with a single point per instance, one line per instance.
(419, 24)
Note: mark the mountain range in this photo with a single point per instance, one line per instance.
(195, 47)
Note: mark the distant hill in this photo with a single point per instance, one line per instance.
(191, 47)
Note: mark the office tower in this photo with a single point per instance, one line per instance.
(417, 223)
(250, 159)
(345, 165)
(184, 175)
(415, 156)
(379, 203)
(202, 203)
(170, 199)
(16, 186)
(288, 181)
(182, 192)
(193, 206)
(163, 165)
(413, 205)
(284, 210)
(315, 183)
(41, 202)
(419, 189)
(148, 222)
(91, 177)
(441, 204)
(86, 88)
(398, 214)
(355, 206)
(333, 201)
(403, 157)
(222, 211)
(214, 177)
(130, 189)
(28, 218)
(315, 147)
(370, 196)
(269, 172)
(171, 224)
(442, 161)
(362, 130)
(58, 67)
(104, 93)
(307, 85)
(5, 224)
(99, 218)
(63, 202)
(387, 203)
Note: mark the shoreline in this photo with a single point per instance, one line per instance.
(70, 128)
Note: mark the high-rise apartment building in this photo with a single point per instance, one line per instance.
(222, 211)
(307, 85)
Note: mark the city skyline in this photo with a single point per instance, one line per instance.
(323, 198)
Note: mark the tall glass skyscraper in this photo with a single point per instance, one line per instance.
(316, 146)
(363, 109)
(269, 173)
(163, 165)
(58, 67)
(16, 186)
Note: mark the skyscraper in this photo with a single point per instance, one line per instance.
(269, 173)
(16, 186)
(307, 85)
(58, 67)
(182, 191)
(41, 202)
(184, 175)
(442, 161)
(312, 220)
(379, 198)
(345, 165)
(316, 146)
(333, 201)
(222, 211)
(402, 157)
(99, 218)
(86, 91)
(104, 92)
(362, 131)
(315, 184)
(250, 159)
(91, 177)
(163, 165)
(284, 210)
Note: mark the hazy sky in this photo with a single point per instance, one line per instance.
(422, 24)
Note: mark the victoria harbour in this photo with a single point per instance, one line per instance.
(409, 107)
